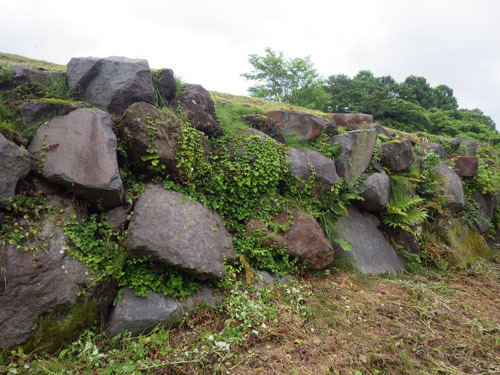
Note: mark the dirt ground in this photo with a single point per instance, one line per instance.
(413, 324)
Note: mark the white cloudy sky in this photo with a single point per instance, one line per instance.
(208, 42)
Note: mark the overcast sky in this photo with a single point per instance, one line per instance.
(454, 42)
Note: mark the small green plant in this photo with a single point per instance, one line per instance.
(24, 220)
(403, 210)
(102, 249)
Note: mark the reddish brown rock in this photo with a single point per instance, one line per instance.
(302, 125)
(466, 166)
(304, 239)
(352, 121)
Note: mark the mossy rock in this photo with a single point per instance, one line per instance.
(60, 326)
(463, 244)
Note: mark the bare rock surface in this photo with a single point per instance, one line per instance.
(353, 121)
(179, 232)
(34, 111)
(78, 151)
(397, 155)
(376, 192)
(453, 188)
(370, 252)
(112, 83)
(33, 76)
(199, 108)
(356, 150)
(140, 314)
(15, 163)
(304, 239)
(301, 160)
(300, 124)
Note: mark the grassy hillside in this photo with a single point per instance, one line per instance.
(7, 59)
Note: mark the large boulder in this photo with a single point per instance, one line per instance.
(112, 83)
(302, 125)
(38, 110)
(452, 187)
(199, 109)
(486, 205)
(164, 81)
(179, 232)
(370, 252)
(304, 239)
(356, 150)
(434, 147)
(266, 125)
(15, 163)
(301, 161)
(78, 151)
(466, 166)
(33, 76)
(352, 121)
(39, 289)
(139, 314)
(375, 191)
(143, 128)
(463, 244)
(464, 146)
(397, 155)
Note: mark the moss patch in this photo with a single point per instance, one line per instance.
(463, 246)
(59, 326)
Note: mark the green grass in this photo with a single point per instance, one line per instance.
(7, 60)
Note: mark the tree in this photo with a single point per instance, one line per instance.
(294, 81)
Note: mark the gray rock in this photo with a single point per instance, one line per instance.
(376, 192)
(199, 109)
(165, 83)
(397, 155)
(15, 163)
(266, 277)
(370, 252)
(112, 83)
(224, 102)
(25, 74)
(331, 128)
(381, 130)
(117, 217)
(36, 281)
(35, 111)
(139, 314)
(179, 232)
(300, 161)
(486, 206)
(437, 148)
(453, 188)
(356, 149)
(134, 129)
(464, 146)
(352, 121)
(78, 151)
(299, 124)
(264, 124)
(43, 186)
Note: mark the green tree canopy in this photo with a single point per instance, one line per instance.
(294, 81)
